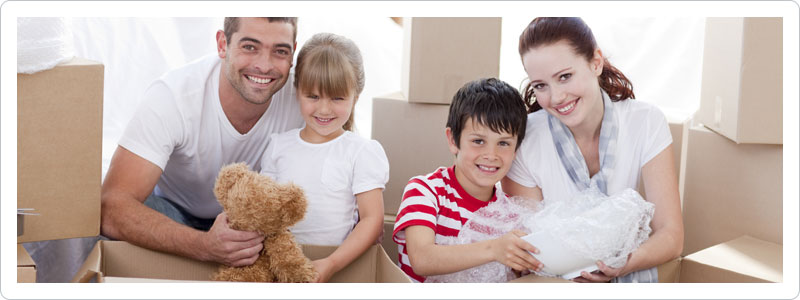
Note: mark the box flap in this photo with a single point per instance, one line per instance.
(362, 269)
(670, 271)
(387, 271)
(745, 259)
(91, 266)
(117, 262)
(59, 147)
(23, 258)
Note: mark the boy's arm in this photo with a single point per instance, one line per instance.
(427, 258)
(364, 235)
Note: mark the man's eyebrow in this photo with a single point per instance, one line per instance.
(283, 45)
(249, 39)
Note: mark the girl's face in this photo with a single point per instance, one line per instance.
(324, 115)
(564, 83)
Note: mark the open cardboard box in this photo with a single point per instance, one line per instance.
(118, 261)
(26, 268)
(742, 260)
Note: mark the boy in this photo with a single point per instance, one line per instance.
(485, 126)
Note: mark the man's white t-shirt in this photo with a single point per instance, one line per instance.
(331, 174)
(643, 134)
(181, 127)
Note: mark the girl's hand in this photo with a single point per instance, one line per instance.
(603, 274)
(324, 268)
(512, 251)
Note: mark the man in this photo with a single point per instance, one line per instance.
(217, 110)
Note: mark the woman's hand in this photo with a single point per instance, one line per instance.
(603, 274)
(512, 251)
(324, 268)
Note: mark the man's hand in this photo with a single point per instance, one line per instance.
(231, 247)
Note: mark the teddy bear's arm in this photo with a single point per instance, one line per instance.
(286, 259)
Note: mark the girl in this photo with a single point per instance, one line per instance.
(342, 174)
(583, 132)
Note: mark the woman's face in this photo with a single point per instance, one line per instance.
(565, 84)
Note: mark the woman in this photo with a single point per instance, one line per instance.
(583, 131)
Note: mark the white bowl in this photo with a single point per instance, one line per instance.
(557, 258)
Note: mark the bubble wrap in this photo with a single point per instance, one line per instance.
(42, 43)
(595, 226)
(489, 222)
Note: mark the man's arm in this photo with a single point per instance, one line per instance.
(129, 181)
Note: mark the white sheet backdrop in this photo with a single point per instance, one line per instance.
(662, 56)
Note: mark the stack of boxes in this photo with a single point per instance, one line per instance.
(734, 174)
(439, 56)
(59, 133)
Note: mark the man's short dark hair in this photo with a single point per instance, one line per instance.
(490, 102)
(232, 25)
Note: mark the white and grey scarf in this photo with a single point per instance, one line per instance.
(571, 156)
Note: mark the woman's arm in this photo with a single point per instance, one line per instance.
(364, 235)
(515, 189)
(427, 258)
(666, 241)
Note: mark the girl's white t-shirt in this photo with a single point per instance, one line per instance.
(643, 134)
(331, 174)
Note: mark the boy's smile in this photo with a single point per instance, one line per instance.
(483, 158)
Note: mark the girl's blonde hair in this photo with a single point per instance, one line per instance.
(332, 65)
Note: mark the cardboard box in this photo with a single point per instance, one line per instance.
(742, 82)
(26, 267)
(124, 262)
(731, 190)
(59, 136)
(442, 54)
(388, 244)
(413, 136)
(742, 260)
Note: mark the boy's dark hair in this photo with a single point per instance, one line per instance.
(490, 102)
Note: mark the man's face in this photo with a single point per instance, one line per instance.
(257, 58)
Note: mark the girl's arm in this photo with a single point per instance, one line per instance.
(666, 241)
(427, 258)
(364, 235)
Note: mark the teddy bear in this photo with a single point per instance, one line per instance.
(254, 202)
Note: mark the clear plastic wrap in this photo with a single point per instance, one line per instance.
(595, 226)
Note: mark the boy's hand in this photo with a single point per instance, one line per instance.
(512, 251)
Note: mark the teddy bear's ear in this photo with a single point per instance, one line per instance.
(227, 178)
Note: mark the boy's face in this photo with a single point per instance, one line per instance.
(482, 158)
